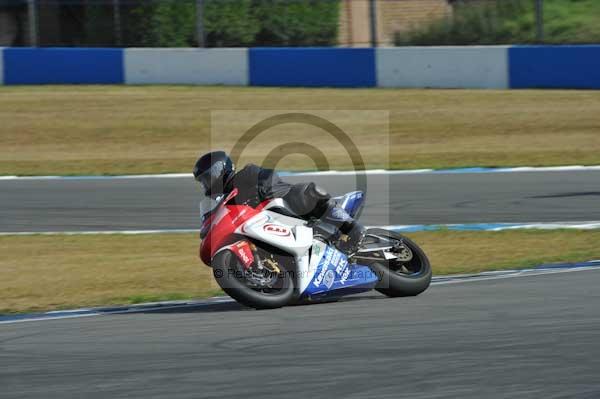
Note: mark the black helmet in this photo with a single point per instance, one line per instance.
(213, 170)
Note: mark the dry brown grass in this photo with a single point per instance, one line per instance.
(48, 272)
(125, 129)
(52, 272)
(465, 252)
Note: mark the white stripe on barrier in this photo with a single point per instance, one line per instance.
(220, 66)
(477, 67)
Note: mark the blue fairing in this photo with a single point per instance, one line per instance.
(334, 276)
(351, 202)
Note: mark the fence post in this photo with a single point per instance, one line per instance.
(539, 19)
(373, 22)
(200, 23)
(117, 22)
(32, 22)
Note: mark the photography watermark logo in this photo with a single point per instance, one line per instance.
(301, 140)
(313, 152)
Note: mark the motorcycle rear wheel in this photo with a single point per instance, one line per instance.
(394, 280)
(226, 270)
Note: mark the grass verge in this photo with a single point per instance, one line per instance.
(56, 272)
(70, 130)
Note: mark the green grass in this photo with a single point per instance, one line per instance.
(172, 296)
(74, 130)
(58, 272)
(511, 21)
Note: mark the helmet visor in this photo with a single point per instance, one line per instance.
(210, 178)
(204, 180)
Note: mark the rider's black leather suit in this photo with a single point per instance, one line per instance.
(256, 184)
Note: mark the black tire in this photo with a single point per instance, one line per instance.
(225, 271)
(395, 284)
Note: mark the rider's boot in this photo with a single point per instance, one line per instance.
(352, 238)
(352, 232)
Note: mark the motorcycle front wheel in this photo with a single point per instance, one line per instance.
(277, 290)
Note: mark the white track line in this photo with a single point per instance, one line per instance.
(75, 316)
(583, 225)
(587, 225)
(571, 168)
(99, 232)
(100, 177)
(517, 273)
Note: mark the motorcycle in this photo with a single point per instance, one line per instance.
(267, 257)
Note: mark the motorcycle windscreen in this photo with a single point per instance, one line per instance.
(208, 204)
(334, 275)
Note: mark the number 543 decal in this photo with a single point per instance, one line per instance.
(277, 230)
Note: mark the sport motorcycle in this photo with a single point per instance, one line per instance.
(267, 257)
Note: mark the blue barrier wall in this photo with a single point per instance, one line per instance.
(312, 67)
(560, 67)
(573, 67)
(63, 65)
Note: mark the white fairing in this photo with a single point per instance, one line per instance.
(310, 269)
(288, 234)
(285, 233)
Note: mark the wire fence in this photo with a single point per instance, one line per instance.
(242, 23)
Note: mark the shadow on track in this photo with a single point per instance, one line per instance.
(199, 308)
(234, 306)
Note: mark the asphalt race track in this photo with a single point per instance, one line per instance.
(171, 203)
(531, 337)
(526, 337)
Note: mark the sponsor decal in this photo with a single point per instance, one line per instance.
(243, 252)
(316, 250)
(277, 230)
(333, 263)
(328, 256)
(329, 278)
(320, 276)
(335, 259)
(343, 270)
(325, 262)
(345, 276)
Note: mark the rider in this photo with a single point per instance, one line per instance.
(215, 171)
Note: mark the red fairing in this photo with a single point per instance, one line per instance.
(227, 220)
(224, 222)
